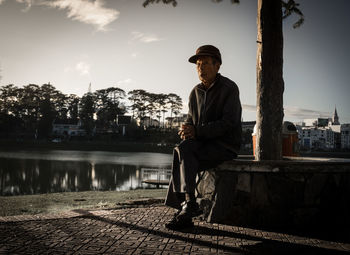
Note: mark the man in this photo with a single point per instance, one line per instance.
(210, 135)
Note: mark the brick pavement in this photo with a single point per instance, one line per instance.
(141, 230)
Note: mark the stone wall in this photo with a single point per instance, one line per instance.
(292, 192)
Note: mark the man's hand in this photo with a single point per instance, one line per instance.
(187, 132)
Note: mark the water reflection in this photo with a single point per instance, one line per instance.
(59, 171)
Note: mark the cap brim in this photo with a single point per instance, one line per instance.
(194, 58)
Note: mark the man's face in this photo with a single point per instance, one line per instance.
(206, 69)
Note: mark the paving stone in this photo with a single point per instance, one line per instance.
(142, 231)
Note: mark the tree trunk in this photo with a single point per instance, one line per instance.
(270, 83)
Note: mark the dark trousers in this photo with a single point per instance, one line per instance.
(190, 157)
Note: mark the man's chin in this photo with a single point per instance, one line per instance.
(202, 79)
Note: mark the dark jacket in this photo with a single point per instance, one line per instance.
(216, 113)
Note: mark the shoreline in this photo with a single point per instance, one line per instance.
(129, 146)
(51, 203)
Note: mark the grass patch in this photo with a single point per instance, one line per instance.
(58, 202)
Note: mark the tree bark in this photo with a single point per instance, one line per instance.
(270, 85)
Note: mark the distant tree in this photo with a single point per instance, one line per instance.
(8, 99)
(133, 98)
(159, 103)
(33, 108)
(87, 110)
(175, 105)
(10, 124)
(138, 99)
(37, 106)
(28, 106)
(109, 105)
(270, 84)
(48, 115)
(51, 105)
(72, 104)
(151, 108)
(164, 105)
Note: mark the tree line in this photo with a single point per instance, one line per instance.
(32, 109)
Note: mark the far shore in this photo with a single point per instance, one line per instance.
(115, 146)
(129, 146)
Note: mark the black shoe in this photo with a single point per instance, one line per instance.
(179, 223)
(190, 209)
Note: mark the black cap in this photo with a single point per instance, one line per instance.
(206, 50)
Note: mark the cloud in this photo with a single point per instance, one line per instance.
(294, 112)
(300, 113)
(125, 81)
(68, 69)
(83, 68)
(28, 3)
(91, 12)
(145, 38)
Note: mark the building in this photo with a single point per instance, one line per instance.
(314, 137)
(324, 133)
(147, 122)
(335, 119)
(176, 122)
(248, 125)
(345, 136)
(336, 135)
(247, 139)
(67, 128)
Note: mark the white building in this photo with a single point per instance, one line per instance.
(176, 122)
(147, 122)
(321, 133)
(316, 137)
(345, 136)
(67, 128)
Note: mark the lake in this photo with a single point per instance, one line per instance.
(37, 172)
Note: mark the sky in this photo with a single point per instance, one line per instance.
(72, 43)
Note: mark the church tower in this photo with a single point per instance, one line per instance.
(335, 117)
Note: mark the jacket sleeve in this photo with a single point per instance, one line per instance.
(189, 118)
(231, 118)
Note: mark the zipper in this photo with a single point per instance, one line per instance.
(204, 113)
(202, 107)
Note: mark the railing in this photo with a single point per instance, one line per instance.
(155, 176)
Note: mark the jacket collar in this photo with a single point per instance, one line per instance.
(201, 85)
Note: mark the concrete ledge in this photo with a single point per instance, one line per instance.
(292, 192)
(289, 164)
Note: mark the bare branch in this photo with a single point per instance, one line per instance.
(291, 7)
(288, 7)
(298, 23)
